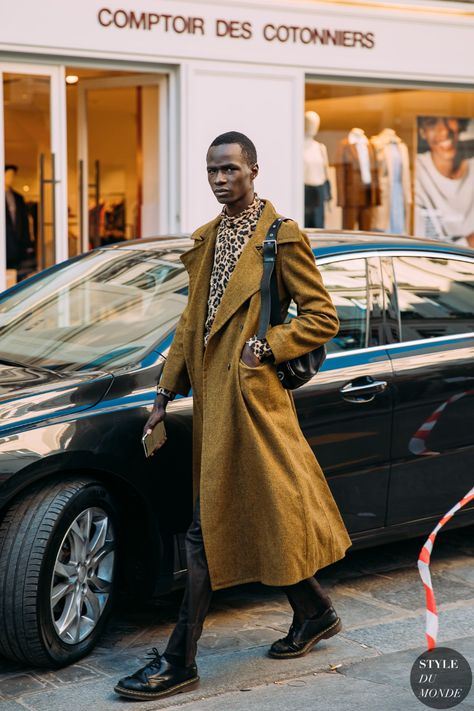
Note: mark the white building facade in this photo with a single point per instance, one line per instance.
(108, 108)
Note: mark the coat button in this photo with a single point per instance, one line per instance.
(228, 366)
(241, 326)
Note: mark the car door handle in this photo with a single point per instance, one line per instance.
(365, 391)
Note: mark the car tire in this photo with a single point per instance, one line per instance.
(57, 572)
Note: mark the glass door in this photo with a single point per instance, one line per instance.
(122, 161)
(32, 177)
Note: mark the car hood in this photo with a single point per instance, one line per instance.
(28, 394)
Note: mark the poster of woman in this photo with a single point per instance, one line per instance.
(444, 179)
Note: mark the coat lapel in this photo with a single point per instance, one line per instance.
(245, 279)
(247, 275)
(198, 262)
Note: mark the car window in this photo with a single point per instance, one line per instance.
(105, 310)
(347, 283)
(435, 296)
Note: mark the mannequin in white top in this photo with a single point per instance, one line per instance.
(316, 185)
(393, 164)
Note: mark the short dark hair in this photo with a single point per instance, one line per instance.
(424, 121)
(247, 146)
(11, 166)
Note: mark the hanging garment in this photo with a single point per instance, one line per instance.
(397, 201)
(352, 190)
(385, 154)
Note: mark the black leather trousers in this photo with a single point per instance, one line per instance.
(306, 598)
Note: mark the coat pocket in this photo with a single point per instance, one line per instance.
(252, 367)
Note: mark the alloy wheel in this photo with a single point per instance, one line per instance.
(82, 575)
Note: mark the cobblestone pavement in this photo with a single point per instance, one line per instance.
(378, 595)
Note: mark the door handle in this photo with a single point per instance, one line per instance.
(365, 391)
(43, 181)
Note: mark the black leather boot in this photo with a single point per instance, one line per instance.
(301, 638)
(157, 679)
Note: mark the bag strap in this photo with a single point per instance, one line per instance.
(270, 304)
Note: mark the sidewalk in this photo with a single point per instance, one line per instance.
(378, 596)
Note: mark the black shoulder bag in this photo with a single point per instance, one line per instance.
(297, 371)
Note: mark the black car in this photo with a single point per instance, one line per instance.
(81, 348)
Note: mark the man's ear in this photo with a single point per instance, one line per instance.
(254, 171)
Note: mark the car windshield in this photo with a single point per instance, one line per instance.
(103, 311)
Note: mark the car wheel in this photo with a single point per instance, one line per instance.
(57, 572)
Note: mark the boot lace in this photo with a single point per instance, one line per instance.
(154, 657)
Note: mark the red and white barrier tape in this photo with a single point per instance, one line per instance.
(417, 444)
(424, 570)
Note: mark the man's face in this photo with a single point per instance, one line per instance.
(441, 135)
(9, 178)
(229, 175)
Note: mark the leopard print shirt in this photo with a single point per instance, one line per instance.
(232, 236)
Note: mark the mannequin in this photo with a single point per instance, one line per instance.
(357, 180)
(16, 218)
(395, 188)
(317, 189)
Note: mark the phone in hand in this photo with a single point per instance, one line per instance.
(154, 439)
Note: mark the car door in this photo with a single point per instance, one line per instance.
(345, 411)
(433, 435)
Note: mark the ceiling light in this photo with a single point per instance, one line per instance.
(72, 79)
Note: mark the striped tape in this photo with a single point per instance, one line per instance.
(424, 570)
(417, 444)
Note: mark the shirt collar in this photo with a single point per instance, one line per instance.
(250, 213)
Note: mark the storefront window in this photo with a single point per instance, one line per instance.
(396, 160)
(29, 219)
(116, 183)
(114, 157)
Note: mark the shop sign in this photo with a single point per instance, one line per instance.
(233, 29)
(317, 37)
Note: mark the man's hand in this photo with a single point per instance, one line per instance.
(157, 414)
(249, 357)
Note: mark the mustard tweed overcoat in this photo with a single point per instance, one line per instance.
(267, 513)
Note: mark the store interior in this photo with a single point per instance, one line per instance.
(113, 161)
(368, 163)
(362, 160)
(113, 130)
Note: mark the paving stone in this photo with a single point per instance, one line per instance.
(316, 692)
(11, 706)
(8, 668)
(367, 588)
(19, 684)
(395, 668)
(404, 589)
(410, 632)
(460, 571)
(219, 674)
(69, 675)
(354, 611)
(259, 617)
(215, 641)
(118, 665)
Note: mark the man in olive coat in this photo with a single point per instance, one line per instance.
(263, 510)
